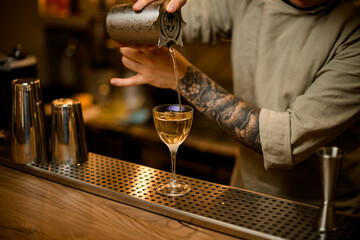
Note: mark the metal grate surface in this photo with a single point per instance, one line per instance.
(230, 210)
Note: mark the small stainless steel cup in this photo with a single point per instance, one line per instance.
(331, 158)
(29, 139)
(68, 140)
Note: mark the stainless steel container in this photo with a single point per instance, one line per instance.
(153, 25)
(29, 139)
(16, 65)
(331, 158)
(68, 140)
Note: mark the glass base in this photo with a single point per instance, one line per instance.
(173, 189)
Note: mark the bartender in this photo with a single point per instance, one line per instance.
(296, 81)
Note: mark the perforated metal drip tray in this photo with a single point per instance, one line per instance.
(225, 209)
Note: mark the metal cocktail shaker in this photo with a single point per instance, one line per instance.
(16, 65)
(29, 139)
(68, 140)
(153, 25)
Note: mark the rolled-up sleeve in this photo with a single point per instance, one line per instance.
(275, 139)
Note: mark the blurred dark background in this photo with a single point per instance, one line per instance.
(76, 58)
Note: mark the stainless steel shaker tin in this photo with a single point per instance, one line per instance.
(68, 140)
(153, 25)
(29, 139)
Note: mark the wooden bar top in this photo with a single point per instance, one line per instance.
(36, 208)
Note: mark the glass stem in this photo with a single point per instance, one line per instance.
(173, 150)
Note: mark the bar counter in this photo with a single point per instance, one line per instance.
(108, 198)
(35, 208)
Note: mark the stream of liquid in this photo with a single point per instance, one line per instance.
(172, 53)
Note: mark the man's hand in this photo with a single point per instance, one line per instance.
(172, 6)
(153, 66)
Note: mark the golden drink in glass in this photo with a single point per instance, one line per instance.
(173, 126)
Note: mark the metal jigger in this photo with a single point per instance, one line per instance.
(331, 158)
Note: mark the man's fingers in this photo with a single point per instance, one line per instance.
(134, 59)
(141, 47)
(129, 52)
(135, 55)
(132, 64)
(127, 82)
(175, 5)
(140, 4)
(172, 7)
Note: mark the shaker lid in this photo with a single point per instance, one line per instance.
(171, 25)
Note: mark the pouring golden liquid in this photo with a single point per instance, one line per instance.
(173, 57)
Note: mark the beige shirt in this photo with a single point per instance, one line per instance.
(302, 68)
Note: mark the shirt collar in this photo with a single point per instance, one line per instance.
(319, 8)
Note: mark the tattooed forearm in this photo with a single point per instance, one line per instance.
(236, 117)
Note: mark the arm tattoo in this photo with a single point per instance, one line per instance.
(232, 114)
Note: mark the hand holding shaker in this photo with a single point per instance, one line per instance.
(152, 26)
(29, 139)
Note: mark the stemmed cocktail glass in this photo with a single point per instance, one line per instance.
(173, 126)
